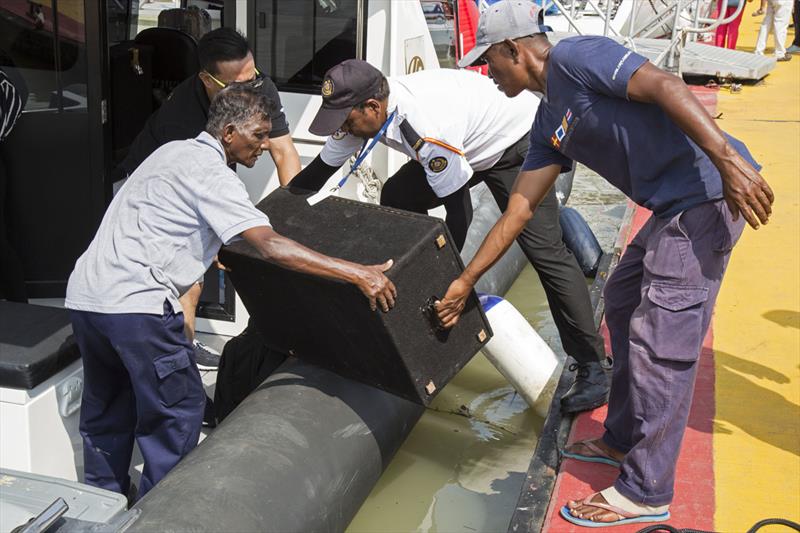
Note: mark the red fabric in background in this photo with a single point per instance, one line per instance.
(468, 15)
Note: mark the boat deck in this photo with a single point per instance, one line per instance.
(740, 461)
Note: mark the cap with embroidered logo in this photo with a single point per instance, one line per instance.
(507, 19)
(344, 86)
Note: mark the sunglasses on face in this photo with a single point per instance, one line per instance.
(255, 82)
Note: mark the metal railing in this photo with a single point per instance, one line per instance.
(688, 19)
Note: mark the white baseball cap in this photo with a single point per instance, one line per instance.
(507, 19)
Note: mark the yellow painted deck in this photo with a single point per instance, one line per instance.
(757, 320)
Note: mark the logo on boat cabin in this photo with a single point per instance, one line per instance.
(437, 164)
(562, 129)
(327, 87)
(415, 65)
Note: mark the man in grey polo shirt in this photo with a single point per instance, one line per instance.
(160, 233)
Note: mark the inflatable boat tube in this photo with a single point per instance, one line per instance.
(578, 237)
(520, 354)
(499, 278)
(564, 186)
(301, 453)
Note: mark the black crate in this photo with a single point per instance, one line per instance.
(330, 323)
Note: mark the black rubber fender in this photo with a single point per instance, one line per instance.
(563, 186)
(580, 240)
(301, 453)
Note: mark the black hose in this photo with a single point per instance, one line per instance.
(774, 521)
(666, 528)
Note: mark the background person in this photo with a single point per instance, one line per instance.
(776, 21)
(795, 48)
(726, 35)
(13, 95)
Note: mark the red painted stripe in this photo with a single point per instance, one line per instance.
(694, 502)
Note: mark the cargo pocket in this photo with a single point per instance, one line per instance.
(672, 324)
(172, 376)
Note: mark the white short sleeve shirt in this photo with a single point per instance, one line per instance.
(466, 124)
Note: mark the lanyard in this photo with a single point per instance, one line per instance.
(366, 148)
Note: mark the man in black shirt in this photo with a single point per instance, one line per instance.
(13, 95)
(225, 57)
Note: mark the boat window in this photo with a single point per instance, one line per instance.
(440, 16)
(45, 42)
(126, 18)
(297, 42)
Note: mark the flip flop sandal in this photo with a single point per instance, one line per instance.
(599, 458)
(627, 518)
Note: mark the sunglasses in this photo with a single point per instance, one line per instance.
(255, 82)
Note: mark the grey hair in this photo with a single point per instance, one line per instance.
(236, 104)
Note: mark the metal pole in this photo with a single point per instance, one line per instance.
(675, 32)
(696, 22)
(566, 16)
(607, 21)
(601, 15)
(631, 27)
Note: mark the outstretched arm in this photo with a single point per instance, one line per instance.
(314, 176)
(745, 191)
(529, 189)
(285, 156)
(292, 255)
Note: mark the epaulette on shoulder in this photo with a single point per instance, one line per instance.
(411, 136)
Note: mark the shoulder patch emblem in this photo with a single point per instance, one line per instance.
(437, 164)
(338, 135)
(327, 87)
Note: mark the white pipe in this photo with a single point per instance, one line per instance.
(520, 354)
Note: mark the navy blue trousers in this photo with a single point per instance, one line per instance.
(140, 382)
(658, 304)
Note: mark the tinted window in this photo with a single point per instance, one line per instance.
(47, 47)
(297, 42)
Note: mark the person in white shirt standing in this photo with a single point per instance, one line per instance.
(160, 233)
(776, 20)
(459, 130)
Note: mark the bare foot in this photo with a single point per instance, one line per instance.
(580, 509)
(586, 448)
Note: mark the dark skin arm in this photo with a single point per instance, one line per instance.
(529, 190)
(285, 156)
(744, 189)
(289, 254)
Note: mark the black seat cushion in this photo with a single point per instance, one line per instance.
(36, 342)
(174, 55)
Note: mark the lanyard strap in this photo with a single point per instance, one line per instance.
(365, 150)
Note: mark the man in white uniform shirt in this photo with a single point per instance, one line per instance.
(158, 236)
(459, 130)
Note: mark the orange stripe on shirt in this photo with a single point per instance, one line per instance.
(443, 145)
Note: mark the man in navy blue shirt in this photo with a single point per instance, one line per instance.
(642, 130)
